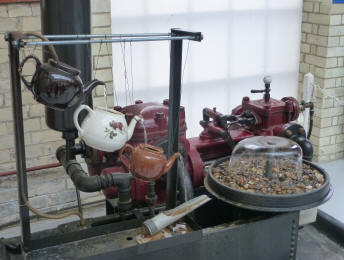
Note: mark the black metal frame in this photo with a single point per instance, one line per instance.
(15, 42)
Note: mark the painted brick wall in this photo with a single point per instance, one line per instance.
(322, 54)
(41, 142)
(50, 189)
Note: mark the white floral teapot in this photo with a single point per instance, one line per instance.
(104, 129)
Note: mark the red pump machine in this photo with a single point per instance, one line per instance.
(266, 116)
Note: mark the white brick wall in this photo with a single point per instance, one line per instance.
(322, 54)
(26, 17)
(51, 189)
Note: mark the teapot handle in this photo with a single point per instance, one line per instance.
(123, 158)
(76, 114)
(20, 69)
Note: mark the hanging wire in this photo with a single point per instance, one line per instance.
(113, 81)
(125, 85)
(96, 65)
(184, 66)
(131, 73)
(126, 81)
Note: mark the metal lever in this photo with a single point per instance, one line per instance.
(267, 81)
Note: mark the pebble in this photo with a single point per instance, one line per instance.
(249, 176)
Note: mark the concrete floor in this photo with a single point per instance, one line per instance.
(335, 206)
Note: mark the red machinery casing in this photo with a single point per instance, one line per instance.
(270, 118)
(155, 123)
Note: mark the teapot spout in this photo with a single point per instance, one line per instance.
(170, 162)
(89, 86)
(132, 125)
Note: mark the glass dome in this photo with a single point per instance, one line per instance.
(273, 158)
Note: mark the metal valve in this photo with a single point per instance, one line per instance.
(267, 81)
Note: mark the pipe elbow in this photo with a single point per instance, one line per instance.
(306, 145)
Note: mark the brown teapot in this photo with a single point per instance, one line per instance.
(56, 84)
(146, 162)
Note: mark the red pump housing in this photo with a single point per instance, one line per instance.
(260, 117)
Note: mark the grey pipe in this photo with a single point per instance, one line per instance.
(87, 183)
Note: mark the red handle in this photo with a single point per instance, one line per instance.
(214, 129)
(211, 113)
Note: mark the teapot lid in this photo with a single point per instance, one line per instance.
(65, 67)
(151, 148)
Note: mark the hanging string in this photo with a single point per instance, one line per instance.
(184, 66)
(96, 65)
(131, 73)
(113, 81)
(126, 80)
(95, 69)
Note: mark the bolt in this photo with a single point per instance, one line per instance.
(245, 99)
(301, 131)
(159, 115)
(288, 133)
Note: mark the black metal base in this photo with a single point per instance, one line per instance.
(225, 232)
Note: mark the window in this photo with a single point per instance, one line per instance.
(243, 42)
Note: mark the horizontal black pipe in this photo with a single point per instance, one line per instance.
(90, 183)
(86, 183)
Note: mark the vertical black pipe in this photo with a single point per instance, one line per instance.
(19, 139)
(67, 17)
(173, 117)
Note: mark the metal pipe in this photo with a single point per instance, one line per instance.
(184, 183)
(19, 139)
(31, 169)
(87, 183)
(74, 42)
(173, 118)
(81, 36)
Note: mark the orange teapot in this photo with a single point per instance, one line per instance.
(146, 162)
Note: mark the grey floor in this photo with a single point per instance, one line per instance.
(313, 245)
(335, 206)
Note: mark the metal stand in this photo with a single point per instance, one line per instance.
(19, 136)
(18, 40)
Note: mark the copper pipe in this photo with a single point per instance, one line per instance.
(31, 169)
